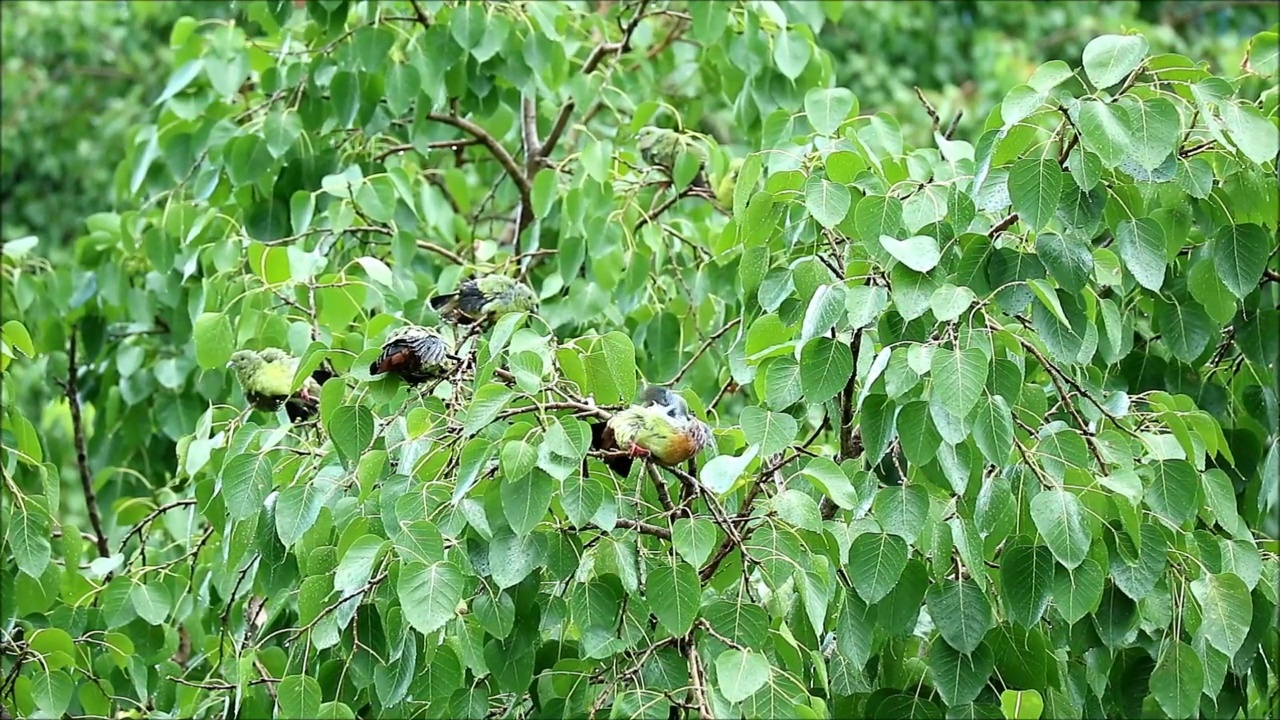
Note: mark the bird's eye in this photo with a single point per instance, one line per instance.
(671, 412)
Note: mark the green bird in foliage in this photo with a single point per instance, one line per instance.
(485, 299)
(267, 380)
(417, 354)
(660, 427)
(660, 147)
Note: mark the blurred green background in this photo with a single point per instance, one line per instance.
(77, 76)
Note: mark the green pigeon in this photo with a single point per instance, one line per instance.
(484, 299)
(660, 427)
(417, 354)
(267, 378)
(660, 147)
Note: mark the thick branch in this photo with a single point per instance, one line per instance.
(82, 456)
(643, 528)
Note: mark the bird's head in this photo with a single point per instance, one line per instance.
(523, 295)
(649, 135)
(272, 355)
(245, 362)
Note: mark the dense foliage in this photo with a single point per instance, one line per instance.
(995, 419)
(77, 76)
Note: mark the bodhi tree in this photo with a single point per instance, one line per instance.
(993, 421)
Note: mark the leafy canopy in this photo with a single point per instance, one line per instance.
(995, 419)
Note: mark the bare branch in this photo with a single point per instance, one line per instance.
(82, 456)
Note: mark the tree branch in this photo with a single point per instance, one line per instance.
(82, 456)
(702, 350)
(142, 526)
(643, 528)
(500, 153)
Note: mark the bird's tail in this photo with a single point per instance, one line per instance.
(299, 409)
(440, 301)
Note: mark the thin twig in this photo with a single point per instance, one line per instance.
(702, 350)
(928, 107)
(82, 456)
(142, 525)
(449, 255)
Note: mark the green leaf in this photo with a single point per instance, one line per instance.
(1027, 577)
(825, 366)
(246, 481)
(525, 500)
(1035, 187)
(298, 507)
(959, 677)
(679, 591)
(901, 510)
(771, 431)
(1253, 133)
(1077, 592)
(826, 201)
(1108, 59)
(824, 311)
(722, 472)
(1185, 327)
(827, 108)
(1141, 244)
(28, 534)
(832, 481)
(1226, 608)
(485, 405)
(299, 697)
(512, 558)
(351, 427)
(1240, 254)
(620, 358)
(152, 601)
(961, 612)
(958, 377)
(949, 302)
(429, 594)
(1021, 704)
(52, 690)
(876, 561)
(1173, 492)
(993, 430)
(1177, 680)
(1060, 518)
(215, 342)
(1105, 132)
(694, 539)
(791, 52)
(1156, 129)
(467, 25)
(1068, 260)
(918, 252)
(739, 673)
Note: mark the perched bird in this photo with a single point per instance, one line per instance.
(726, 184)
(267, 378)
(660, 427)
(660, 147)
(416, 353)
(485, 299)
